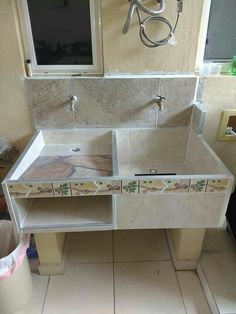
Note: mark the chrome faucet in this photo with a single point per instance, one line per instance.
(73, 103)
(158, 100)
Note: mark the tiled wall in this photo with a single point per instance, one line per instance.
(111, 102)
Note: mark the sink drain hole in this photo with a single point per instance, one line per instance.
(153, 170)
(75, 149)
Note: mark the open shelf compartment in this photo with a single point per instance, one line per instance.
(64, 214)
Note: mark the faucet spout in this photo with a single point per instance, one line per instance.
(73, 103)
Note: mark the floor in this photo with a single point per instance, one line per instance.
(218, 263)
(141, 280)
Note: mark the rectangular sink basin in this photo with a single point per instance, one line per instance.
(173, 180)
(62, 155)
(165, 151)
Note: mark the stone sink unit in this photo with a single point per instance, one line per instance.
(129, 178)
(117, 162)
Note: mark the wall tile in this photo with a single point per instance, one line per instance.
(179, 93)
(111, 102)
(50, 103)
(115, 102)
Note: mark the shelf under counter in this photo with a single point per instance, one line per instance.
(68, 214)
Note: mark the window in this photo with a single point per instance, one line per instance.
(221, 32)
(61, 37)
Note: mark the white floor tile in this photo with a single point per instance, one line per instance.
(220, 272)
(89, 247)
(83, 289)
(147, 288)
(140, 245)
(35, 304)
(217, 239)
(192, 292)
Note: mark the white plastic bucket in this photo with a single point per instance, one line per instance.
(15, 276)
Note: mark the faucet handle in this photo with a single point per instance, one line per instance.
(158, 101)
(158, 98)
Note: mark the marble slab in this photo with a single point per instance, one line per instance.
(111, 102)
(67, 167)
(49, 100)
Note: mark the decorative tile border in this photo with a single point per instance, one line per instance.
(125, 187)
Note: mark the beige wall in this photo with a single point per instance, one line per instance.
(220, 94)
(126, 53)
(15, 117)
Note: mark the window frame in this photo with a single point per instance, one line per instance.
(217, 60)
(63, 70)
(226, 64)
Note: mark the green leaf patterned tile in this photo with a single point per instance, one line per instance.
(130, 187)
(198, 185)
(61, 189)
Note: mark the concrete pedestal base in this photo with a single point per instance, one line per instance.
(185, 247)
(51, 251)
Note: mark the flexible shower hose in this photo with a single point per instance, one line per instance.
(146, 39)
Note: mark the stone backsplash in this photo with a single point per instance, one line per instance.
(111, 102)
